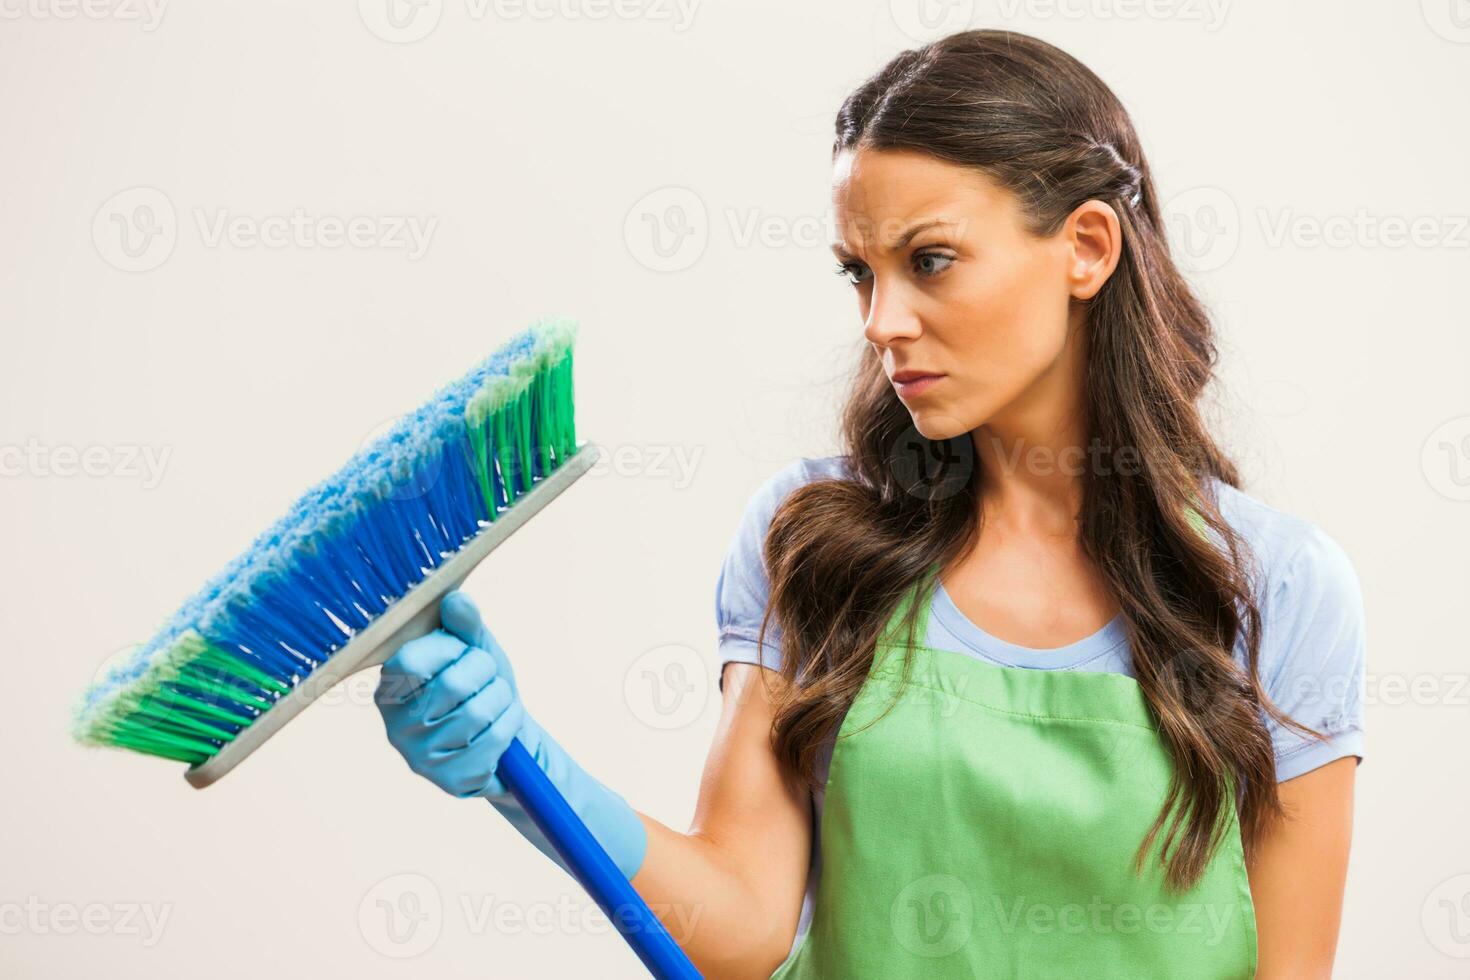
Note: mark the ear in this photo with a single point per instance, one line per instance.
(1096, 240)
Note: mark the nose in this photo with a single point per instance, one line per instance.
(890, 317)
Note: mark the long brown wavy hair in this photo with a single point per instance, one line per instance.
(842, 552)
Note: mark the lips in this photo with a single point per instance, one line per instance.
(904, 377)
(911, 383)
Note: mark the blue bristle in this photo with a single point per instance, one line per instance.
(345, 550)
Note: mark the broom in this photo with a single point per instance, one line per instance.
(355, 569)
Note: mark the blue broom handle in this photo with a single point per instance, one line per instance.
(592, 866)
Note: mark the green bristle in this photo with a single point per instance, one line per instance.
(497, 412)
(538, 407)
(476, 415)
(501, 414)
(552, 393)
(161, 712)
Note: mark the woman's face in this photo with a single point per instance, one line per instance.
(950, 283)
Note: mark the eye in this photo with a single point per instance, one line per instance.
(852, 270)
(925, 263)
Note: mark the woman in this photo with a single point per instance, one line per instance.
(1022, 684)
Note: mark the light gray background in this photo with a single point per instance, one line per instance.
(544, 143)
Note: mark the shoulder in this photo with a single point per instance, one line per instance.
(799, 472)
(1294, 556)
(742, 588)
(768, 496)
(1313, 640)
(746, 546)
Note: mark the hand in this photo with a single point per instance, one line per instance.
(450, 704)
(450, 707)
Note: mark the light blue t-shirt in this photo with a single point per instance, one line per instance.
(1312, 653)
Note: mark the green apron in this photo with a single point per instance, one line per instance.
(986, 827)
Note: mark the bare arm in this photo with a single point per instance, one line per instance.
(730, 889)
(1298, 874)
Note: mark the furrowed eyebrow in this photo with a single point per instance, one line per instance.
(904, 239)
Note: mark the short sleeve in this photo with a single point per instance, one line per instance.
(742, 589)
(1313, 655)
(743, 586)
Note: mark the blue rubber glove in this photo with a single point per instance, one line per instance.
(451, 706)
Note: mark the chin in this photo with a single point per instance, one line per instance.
(936, 425)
